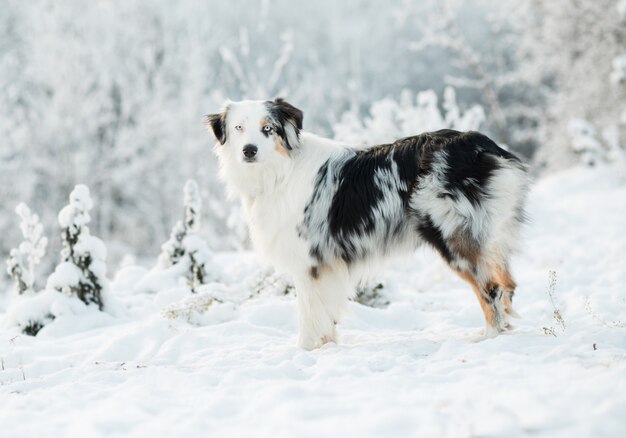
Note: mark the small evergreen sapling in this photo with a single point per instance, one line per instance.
(22, 260)
(82, 269)
(184, 240)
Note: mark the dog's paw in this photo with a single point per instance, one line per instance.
(508, 326)
(491, 332)
(313, 342)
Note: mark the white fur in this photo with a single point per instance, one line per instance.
(274, 192)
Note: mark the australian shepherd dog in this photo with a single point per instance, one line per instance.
(322, 210)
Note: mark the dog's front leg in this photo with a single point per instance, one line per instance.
(316, 325)
(322, 298)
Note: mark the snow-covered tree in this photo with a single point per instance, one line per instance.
(480, 39)
(389, 120)
(575, 56)
(82, 271)
(184, 244)
(22, 260)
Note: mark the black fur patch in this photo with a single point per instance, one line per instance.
(357, 194)
(406, 154)
(431, 234)
(283, 113)
(217, 122)
(471, 159)
(356, 203)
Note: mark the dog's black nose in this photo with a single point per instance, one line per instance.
(250, 150)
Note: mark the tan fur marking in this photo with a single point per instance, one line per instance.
(507, 284)
(465, 245)
(279, 146)
(484, 305)
(504, 278)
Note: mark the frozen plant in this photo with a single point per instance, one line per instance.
(371, 295)
(556, 314)
(267, 281)
(190, 307)
(184, 244)
(601, 320)
(173, 250)
(23, 259)
(82, 269)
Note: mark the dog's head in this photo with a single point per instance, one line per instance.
(256, 132)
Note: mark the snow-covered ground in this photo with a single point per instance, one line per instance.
(415, 368)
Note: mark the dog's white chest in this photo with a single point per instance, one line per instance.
(273, 229)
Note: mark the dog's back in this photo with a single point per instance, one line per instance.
(459, 192)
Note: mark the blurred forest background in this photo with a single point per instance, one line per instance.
(112, 94)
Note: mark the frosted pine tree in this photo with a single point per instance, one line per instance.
(184, 244)
(82, 269)
(22, 260)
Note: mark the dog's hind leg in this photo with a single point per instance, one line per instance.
(507, 285)
(489, 297)
(322, 295)
(464, 255)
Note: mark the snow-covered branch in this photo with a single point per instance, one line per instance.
(22, 260)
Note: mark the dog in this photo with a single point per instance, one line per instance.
(322, 210)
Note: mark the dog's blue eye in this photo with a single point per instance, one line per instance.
(267, 128)
(238, 128)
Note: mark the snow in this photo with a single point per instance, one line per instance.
(65, 276)
(223, 362)
(90, 245)
(30, 307)
(77, 211)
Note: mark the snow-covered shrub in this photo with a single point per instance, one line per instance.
(30, 312)
(57, 312)
(202, 308)
(389, 120)
(23, 259)
(185, 247)
(371, 295)
(584, 142)
(269, 282)
(593, 149)
(82, 269)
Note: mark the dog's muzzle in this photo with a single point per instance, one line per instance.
(249, 153)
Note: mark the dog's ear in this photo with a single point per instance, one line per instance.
(289, 120)
(217, 122)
